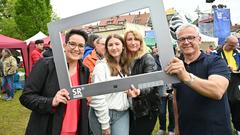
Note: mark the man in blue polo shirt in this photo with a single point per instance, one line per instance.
(201, 103)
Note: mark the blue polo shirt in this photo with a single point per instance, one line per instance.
(199, 115)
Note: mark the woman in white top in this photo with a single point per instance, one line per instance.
(109, 113)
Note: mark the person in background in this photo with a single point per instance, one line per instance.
(156, 57)
(145, 107)
(1, 75)
(166, 105)
(9, 69)
(108, 113)
(53, 113)
(37, 52)
(90, 45)
(97, 54)
(231, 55)
(48, 51)
(166, 101)
(210, 49)
(200, 100)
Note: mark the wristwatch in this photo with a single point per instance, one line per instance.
(192, 78)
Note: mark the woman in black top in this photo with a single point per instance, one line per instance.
(145, 107)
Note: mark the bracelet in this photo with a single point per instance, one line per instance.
(192, 78)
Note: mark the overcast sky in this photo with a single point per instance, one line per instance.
(66, 8)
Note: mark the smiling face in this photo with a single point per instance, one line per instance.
(189, 41)
(133, 43)
(115, 48)
(74, 48)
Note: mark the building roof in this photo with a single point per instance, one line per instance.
(141, 19)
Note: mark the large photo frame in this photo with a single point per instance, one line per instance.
(162, 37)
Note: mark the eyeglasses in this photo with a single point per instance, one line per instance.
(188, 38)
(73, 45)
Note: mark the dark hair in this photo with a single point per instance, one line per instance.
(91, 39)
(39, 41)
(76, 32)
(111, 61)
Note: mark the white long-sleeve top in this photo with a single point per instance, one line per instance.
(102, 103)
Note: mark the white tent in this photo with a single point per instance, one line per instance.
(207, 41)
(206, 38)
(37, 36)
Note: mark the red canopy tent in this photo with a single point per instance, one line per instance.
(7, 42)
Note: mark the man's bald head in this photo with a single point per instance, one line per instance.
(232, 38)
(231, 43)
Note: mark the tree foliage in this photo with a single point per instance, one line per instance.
(32, 16)
(8, 26)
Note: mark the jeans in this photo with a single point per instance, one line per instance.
(119, 122)
(166, 102)
(7, 85)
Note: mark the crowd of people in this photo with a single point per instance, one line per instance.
(201, 103)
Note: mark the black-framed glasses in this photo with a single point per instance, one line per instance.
(73, 45)
(188, 38)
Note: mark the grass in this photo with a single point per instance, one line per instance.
(13, 116)
(157, 126)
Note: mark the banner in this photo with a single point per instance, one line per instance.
(222, 24)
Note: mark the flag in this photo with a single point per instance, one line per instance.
(222, 24)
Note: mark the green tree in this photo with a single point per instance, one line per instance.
(8, 8)
(32, 16)
(2, 7)
(8, 26)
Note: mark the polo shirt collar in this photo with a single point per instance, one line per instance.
(200, 57)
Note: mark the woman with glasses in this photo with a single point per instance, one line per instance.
(52, 111)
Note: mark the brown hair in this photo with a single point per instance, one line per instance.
(112, 63)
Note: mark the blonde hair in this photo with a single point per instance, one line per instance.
(8, 51)
(143, 47)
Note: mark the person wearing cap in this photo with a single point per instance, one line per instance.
(37, 52)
